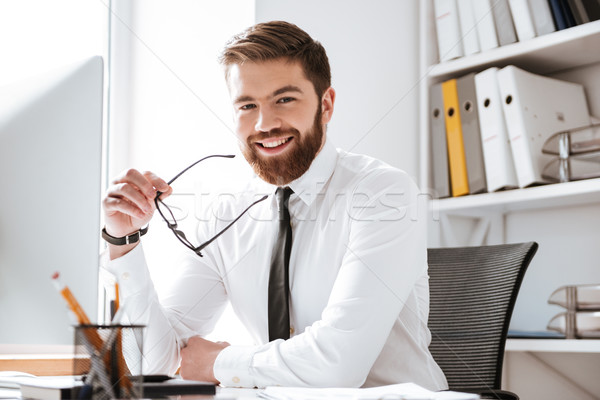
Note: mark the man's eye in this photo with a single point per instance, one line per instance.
(247, 107)
(285, 100)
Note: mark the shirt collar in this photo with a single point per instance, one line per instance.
(314, 180)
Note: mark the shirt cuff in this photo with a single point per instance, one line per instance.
(232, 366)
(130, 270)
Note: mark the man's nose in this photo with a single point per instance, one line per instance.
(267, 120)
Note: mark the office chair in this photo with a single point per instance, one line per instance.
(472, 296)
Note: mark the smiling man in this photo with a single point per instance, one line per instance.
(329, 274)
(270, 123)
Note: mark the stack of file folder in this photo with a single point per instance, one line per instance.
(578, 152)
(581, 318)
(488, 129)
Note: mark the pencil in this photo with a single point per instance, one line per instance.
(117, 297)
(72, 302)
(92, 334)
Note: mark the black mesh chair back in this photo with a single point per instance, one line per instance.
(472, 296)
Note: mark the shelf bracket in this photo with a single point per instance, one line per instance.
(479, 234)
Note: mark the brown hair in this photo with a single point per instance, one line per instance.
(279, 39)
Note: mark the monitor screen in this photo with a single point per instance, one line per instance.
(50, 183)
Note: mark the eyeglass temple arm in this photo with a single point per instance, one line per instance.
(203, 245)
(158, 192)
(200, 160)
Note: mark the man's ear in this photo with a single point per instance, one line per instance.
(327, 101)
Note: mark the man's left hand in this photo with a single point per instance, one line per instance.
(198, 359)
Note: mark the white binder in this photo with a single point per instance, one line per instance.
(542, 17)
(536, 107)
(448, 29)
(505, 29)
(522, 19)
(468, 27)
(486, 27)
(497, 154)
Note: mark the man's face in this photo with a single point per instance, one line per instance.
(278, 118)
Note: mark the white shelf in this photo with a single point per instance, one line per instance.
(553, 345)
(534, 198)
(557, 51)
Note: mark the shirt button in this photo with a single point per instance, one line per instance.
(291, 330)
(235, 379)
(125, 275)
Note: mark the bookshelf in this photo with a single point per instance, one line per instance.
(562, 217)
(546, 196)
(559, 51)
(568, 50)
(553, 345)
(544, 54)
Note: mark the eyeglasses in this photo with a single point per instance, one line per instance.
(168, 216)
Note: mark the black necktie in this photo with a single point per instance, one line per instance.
(279, 288)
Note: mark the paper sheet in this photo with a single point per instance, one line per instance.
(402, 391)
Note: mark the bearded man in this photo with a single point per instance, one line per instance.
(329, 273)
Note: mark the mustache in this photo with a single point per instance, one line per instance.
(273, 133)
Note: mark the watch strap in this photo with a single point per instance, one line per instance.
(121, 241)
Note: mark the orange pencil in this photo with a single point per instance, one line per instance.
(92, 335)
(117, 299)
(72, 302)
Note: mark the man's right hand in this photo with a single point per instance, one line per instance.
(129, 205)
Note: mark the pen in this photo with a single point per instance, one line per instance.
(120, 368)
(117, 299)
(115, 304)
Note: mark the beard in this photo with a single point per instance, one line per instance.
(282, 169)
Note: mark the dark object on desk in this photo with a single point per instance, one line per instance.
(514, 334)
(472, 295)
(68, 388)
(155, 378)
(174, 387)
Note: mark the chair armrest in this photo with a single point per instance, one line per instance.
(486, 393)
(497, 394)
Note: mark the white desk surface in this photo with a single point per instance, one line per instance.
(223, 394)
(409, 390)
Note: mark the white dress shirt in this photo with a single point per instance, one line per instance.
(359, 294)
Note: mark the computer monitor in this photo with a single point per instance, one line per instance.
(50, 188)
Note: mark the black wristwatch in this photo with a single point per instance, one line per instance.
(121, 241)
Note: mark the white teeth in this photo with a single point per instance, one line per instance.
(275, 144)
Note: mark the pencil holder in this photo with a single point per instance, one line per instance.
(110, 357)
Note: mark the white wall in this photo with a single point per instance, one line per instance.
(373, 52)
(170, 105)
(171, 102)
(568, 255)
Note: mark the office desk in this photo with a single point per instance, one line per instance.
(222, 394)
(246, 394)
(38, 364)
(552, 368)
